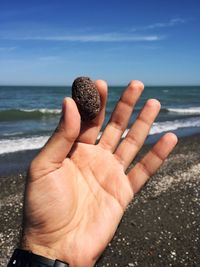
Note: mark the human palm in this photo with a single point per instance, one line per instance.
(74, 204)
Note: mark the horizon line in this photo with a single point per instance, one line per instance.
(112, 85)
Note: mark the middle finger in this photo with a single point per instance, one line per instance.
(120, 116)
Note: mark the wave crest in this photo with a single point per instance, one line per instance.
(30, 114)
(14, 144)
(191, 110)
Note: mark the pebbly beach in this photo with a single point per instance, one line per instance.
(160, 226)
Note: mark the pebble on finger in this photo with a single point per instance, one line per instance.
(87, 98)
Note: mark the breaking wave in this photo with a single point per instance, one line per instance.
(22, 114)
(13, 144)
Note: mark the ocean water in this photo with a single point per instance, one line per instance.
(29, 114)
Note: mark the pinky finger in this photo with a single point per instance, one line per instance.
(151, 162)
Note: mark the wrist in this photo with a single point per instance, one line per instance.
(39, 250)
(54, 252)
(29, 243)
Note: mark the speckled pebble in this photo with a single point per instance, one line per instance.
(87, 98)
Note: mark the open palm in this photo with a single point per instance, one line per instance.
(74, 204)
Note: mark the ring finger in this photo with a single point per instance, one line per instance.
(136, 136)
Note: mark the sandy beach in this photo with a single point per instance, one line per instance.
(161, 226)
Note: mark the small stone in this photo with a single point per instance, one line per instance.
(173, 253)
(87, 98)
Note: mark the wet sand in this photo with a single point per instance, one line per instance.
(161, 226)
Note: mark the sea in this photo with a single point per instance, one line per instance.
(29, 114)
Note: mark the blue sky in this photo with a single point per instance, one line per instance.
(52, 42)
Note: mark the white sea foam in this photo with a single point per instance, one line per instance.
(43, 110)
(159, 127)
(191, 110)
(18, 144)
(29, 143)
(165, 126)
(12, 134)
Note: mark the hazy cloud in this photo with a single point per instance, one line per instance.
(170, 23)
(48, 58)
(106, 37)
(7, 49)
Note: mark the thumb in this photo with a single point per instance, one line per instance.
(63, 138)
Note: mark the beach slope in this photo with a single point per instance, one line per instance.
(160, 227)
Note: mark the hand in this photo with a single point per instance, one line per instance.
(77, 191)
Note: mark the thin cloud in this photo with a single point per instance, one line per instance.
(170, 23)
(7, 49)
(108, 37)
(48, 58)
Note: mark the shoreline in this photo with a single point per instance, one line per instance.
(12, 163)
(160, 226)
(16, 162)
